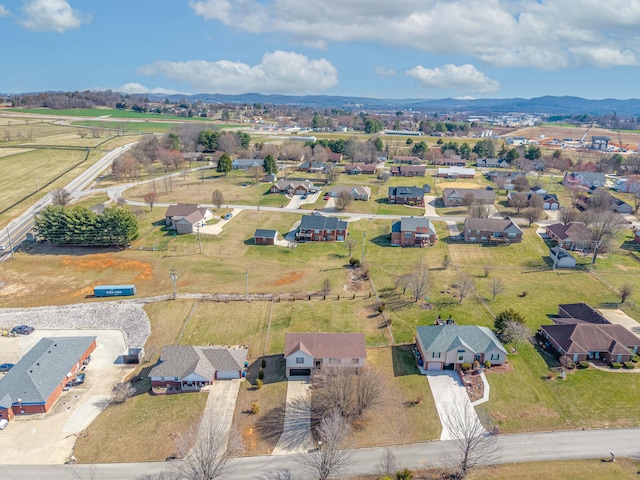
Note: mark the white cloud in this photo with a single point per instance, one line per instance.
(384, 71)
(137, 88)
(463, 78)
(51, 16)
(549, 34)
(3, 11)
(279, 72)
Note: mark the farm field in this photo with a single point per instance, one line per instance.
(100, 112)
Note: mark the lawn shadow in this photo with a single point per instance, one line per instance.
(548, 358)
(75, 251)
(274, 370)
(382, 240)
(270, 425)
(403, 361)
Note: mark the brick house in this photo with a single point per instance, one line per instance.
(572, 236)
(293, 187)
(36, 382)
(456, 172)
(308, 353)
(265, 237)
(360, 168)
(320, 228)
(407, 195)
(407, 160)
(413, 232)
(452, 197)
(358, 192)
(408, 170)
(499, 230)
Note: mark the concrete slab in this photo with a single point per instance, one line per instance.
(221, 402)
(451, 399)
(618, 317)
(453, 228)
(216, 228)
(296, 435)
(430, 206)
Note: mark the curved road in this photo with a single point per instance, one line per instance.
(532, 447)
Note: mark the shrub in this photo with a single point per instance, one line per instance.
(259, 384)
(524, 293)
(636, 359)
(404, 474)
(567, 363)
(354, 262)
(583, 364)
(255, 408)
(615, 365)
(476, 364)
(487, 364)
(628, 365)
(261, 375)
(264, 363)
(381, 307)
(465, 367)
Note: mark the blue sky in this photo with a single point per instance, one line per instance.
(373, 48)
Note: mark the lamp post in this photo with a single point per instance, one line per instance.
(174, 280)
(364, 238)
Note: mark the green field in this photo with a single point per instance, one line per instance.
(101, 112)
(142, 127)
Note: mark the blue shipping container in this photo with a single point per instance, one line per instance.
(114, 290)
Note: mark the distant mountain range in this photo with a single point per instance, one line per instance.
(542, 105)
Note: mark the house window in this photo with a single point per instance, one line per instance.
(433, 354)
(495, 356)
(511, 235)
(175, 379)
(162, 379)
(355, 361)
(334, 361)
(461, 355)
(299, 360)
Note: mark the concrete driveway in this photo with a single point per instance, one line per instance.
(430, 206)
(221, 403)
(451, 399)
(618, 317)
(49, 438)
(296, 435)
(216, 228)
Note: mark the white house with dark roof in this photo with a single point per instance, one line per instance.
(35, 383)
(357, 192)
(189, 368)
(187, 217)
(307, 353)
(446, 345)
(246, 163)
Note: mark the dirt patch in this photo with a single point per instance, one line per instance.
(356, 279)
(538, 411)
(103, 261)
(289, 278)
(504, 368)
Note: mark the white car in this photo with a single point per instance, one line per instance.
(3, 423)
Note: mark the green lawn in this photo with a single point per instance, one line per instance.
(102, 112)
(144, 127)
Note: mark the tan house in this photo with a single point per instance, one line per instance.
(452, 197)
(308, 353)
(187, 217)
(358, 192)
(498, 230)
(572, 236)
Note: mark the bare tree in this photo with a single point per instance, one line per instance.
(600, 199)
(326, 287)
(496, 287)
(332, 174)
(519, 201)
(478, 210)
(625, 292)
(60, 197)
(521, 184)
(536, 201)
(419, 282)
(464, 286)
(351, 244)
(514, 332)
(343, 200)
(150, 199)
(486, 269)
(403, 282)
(122, 391)
(474, 445)
(257, 173)
(227, 143)
(388, 464)
(567, 215)
(532, 214)
(468, 200)
(292, 244)
(217, 198)
(603, 225)
(333, 457)
(212, 449)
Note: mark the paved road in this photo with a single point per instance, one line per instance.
(515, 448)
(18, 228)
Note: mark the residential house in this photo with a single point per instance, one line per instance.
(549, 200)
(407, 195)
(309, 353)
(507, 178)
(246, 163)
(492, 162)
(456, 172)
(408, 171)
(636, 238)
(333, 157)
(407, 160)
(188, 368)
(572, 236)
(538, 190)
(270, 178)
(583, 341)
(443, 346)
(452, 197)
(293, 187)
(583, 312)
(314, 167)
(628, 184)
(500, 230)
(358, 192)
(265, 237)
(583, 179)
(561, 258)
(585, 201)
(320, 228)
(413, 232)
(452, 160)
(35, 383)
(620, 206)
(360, 168)
(187, 217)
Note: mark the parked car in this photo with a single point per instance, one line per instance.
(246, 184)
(326, 197)
(22, 330)
(3, 423)
(228, 216)
(68, 386)
(5, 367)
(303, 197)
(80, 379)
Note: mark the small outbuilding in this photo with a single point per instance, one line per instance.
(265, 237)
(561, 258)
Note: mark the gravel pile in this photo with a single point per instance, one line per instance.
(128, 317)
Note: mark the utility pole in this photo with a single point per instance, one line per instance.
(246, 284)
(174, 280)
(199, 243)
(10, 244)
(364, 238)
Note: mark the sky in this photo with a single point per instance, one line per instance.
(368, 48)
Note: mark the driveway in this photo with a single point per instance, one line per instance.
(216, 228)
(49, 438)
(221, 402)
(451, 399)
(618, 317)
(296, 435)
(430, 206)
(453, 228)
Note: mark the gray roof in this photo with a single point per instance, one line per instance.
(478, 193)
(263, 233)
(39, 373)
(317, 221)
(183, 360)
(248, 162)
(406, 191)
(411, 224)
(490, 224)
(444, 338)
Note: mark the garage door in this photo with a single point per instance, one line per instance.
(227, 374)
(300, 372)
(434, 366)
